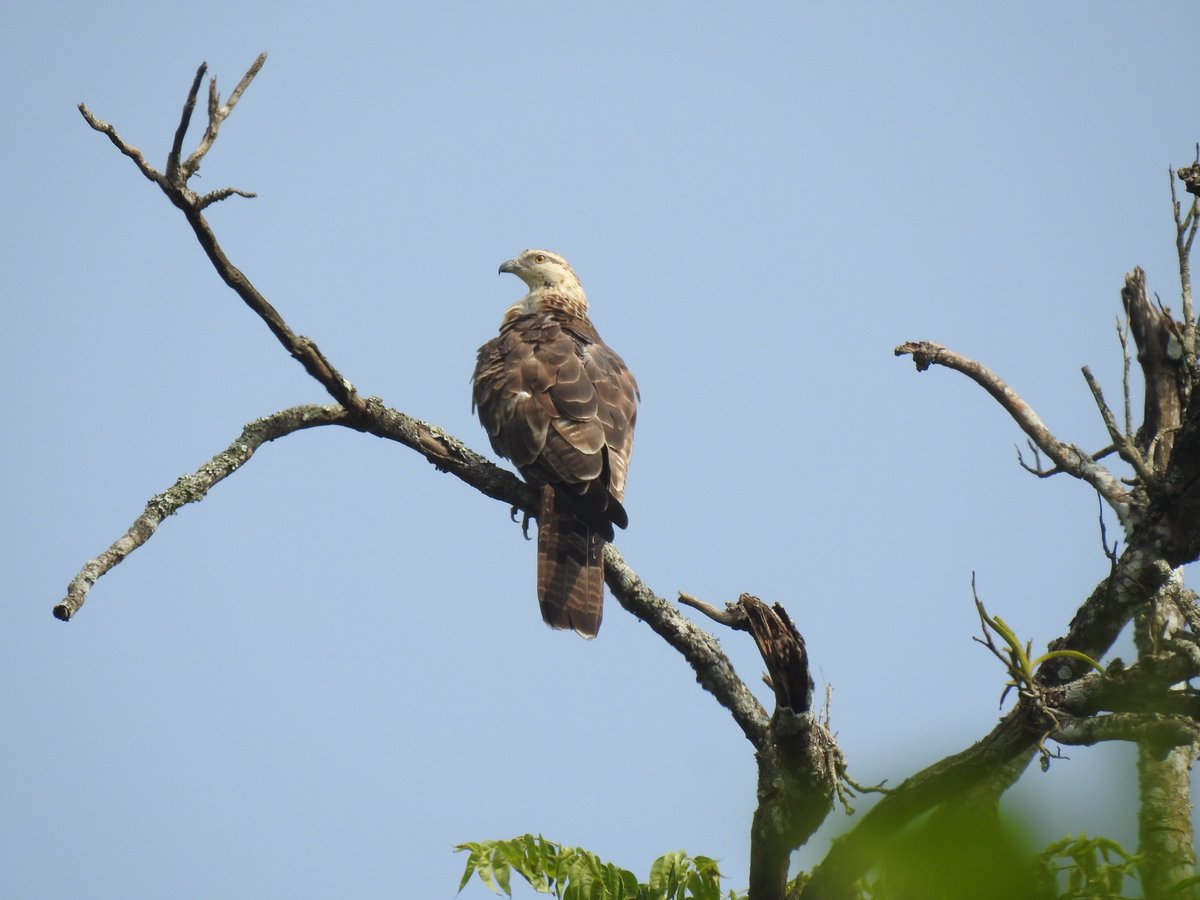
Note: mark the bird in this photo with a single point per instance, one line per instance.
(561, 405)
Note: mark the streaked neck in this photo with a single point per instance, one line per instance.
(572, 302)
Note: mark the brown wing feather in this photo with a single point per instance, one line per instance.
(617, 397)
(562, 406)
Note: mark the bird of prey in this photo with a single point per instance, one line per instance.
(561, 405)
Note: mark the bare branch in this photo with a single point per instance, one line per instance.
(1162, 731)
(191, 489)
(1110, 421)
(713, 668)
(1110, 552)
(185, 120)
(1123, 337)
(732, 616)
(1042, 472)
(222, 194)
(132, 152)
(218, 114)
(1121, 440)
(1067, 457)
(1037, 468)
(301, 348)
(174, 185)
(868, 788)
(1185, 233)
(445, 452)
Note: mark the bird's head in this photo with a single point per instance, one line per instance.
(544, 270)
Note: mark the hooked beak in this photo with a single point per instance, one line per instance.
(509, 267)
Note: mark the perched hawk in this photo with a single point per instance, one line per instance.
(561, 405)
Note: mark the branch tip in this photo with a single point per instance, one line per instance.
(732, 616)
(1067, 457)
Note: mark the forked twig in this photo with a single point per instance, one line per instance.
(218, 113)
(175, 185)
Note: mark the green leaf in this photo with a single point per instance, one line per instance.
(469, 870)
(664, 875)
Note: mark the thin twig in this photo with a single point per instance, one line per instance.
(1185, 233)
(1036, 468)
(222, 194)
(1123, 337)
(732, 616)
(1111, 553)
(185, 121)
(1121, 440)
(128, 149)
(218, 114)
(868, 788)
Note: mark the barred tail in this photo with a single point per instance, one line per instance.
(570, 571)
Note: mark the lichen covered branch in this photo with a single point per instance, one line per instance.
(192, 488)
(1157, 729)
(713, 670)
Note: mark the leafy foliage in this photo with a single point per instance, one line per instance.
(1093, 867)
(944, 858)
(572, 873)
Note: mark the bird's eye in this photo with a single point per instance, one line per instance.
(539, 258)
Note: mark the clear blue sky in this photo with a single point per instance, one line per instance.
(320, 679)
